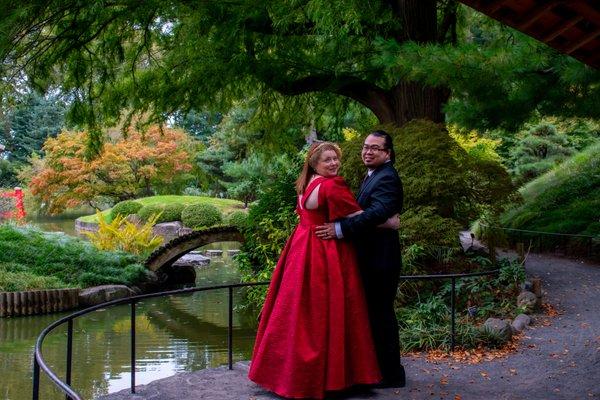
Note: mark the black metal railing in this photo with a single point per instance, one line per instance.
(39, 363)
(539, 241)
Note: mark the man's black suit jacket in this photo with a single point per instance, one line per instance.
(380, 197)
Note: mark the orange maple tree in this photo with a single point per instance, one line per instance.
(139, 164)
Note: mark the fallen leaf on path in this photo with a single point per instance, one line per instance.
(476, 356)
(550, 310)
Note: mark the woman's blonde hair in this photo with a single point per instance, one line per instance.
(312, 158)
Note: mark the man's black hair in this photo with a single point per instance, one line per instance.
(389, 144)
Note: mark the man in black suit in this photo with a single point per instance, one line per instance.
(379, 253)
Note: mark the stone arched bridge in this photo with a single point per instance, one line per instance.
(162, 259)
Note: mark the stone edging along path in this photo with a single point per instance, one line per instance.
(556, 358)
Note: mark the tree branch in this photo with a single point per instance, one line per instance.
(368, 94)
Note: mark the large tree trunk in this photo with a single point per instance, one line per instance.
(407, 101)
(411, 100)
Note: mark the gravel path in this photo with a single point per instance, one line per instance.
(558, 358)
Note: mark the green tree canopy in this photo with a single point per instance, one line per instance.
(401, 59)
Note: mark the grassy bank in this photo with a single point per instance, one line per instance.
(564, 200)
(226, 206)
(33, 259)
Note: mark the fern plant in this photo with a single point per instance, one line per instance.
(121, 234)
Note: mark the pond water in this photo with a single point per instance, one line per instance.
(174, 334)
(57, 223)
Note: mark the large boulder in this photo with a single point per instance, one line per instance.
(527, 301)
(101, 294)
(498, 327)
(167, 229)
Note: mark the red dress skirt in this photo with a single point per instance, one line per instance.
(314, 333)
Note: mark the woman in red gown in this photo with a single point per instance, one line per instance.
(314, 335)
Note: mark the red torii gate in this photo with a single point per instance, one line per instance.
(19, 212)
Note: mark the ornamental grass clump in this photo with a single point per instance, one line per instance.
(121, 234)
(201, 215)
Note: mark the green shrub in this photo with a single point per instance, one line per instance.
(445, 185)
(425, 319)
(270, 222)
(171, 212)
(423, 226)
(238, 219)
(149, 211)
(166, 212)
(125, 208)
(537, 151)
(201, 216)
(425, 326)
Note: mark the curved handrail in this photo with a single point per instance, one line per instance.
(590, 242)
(40, 364)
(539, 232)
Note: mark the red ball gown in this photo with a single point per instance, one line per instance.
(314, 333)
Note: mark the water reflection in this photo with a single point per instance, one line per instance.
(59, 223)
(174, 334)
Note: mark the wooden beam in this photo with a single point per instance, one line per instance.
(585, 40)
(496, 7)
(531, 17)
(583, 8)
(562, 28)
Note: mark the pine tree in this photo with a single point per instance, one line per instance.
(31, 123)
(540, 149)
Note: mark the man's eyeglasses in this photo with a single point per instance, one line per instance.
(373, 148)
